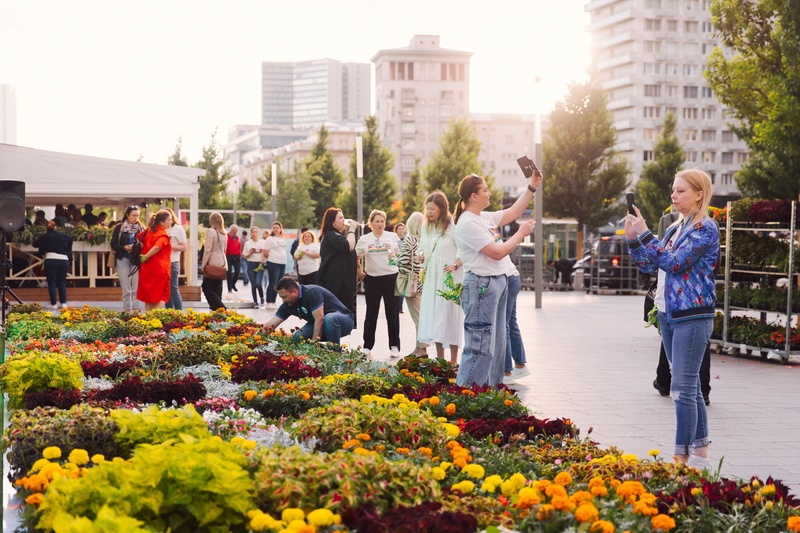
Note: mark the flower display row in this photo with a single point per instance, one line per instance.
(200, 422)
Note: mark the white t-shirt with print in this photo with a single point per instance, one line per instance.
(376, 252)
(177, 235)
(253, 246)
(276, 248)
(307, 264)
(473, 233)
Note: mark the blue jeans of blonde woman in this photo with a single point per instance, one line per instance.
(276, 272)
(685, 343)
(483, 299)
(175, 300)
(129, 284)
(515, 349)
(255, 281)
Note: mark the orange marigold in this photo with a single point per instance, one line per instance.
(581, 496)
(35, 499)
(450, 409)
(602, 526)
(555, 490)
(562, 503)
(563, 479)
(402, 450)
(663, 522)
(546, 512)
(794, 523)
(587, 513)
(508, 403)
(630, 488)
(599, 490)
(435, 400)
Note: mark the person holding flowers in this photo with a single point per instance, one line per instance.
(685, 300)
(155, 262)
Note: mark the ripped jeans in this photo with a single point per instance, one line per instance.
(483, 299)
(685, 342)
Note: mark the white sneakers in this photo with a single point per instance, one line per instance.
(51, 306)
(394, 352)
(366, 351)
(518, 373)
(701, 463)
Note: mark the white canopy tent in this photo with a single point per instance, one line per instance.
(58, 178)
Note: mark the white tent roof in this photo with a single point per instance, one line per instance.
(58, 178)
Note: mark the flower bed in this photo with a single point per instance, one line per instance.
(199, 422)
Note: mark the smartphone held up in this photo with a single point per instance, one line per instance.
(528, 167)
(629, 199)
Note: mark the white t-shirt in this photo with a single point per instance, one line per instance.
(376, 252)
(473, 233)
(307, 264)
(177, 235)
(253, 246)
(660, 300)
(276, 246)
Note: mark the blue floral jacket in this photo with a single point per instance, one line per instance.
(689, 290)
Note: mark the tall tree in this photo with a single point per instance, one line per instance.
(380, 186)
(176, 159)
(761, 85)
(327, 177)
(213, 186)
(584, 175)
(655, 184)
(294, 202)
(414, 195)
(457, 157)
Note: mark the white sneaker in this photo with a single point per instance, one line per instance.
(51, 306)
(394, 351)
(509, 380)
(701, 463)
(518, 373)
(63, 306)
(366, 351)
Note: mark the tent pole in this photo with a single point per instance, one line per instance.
(193, 206)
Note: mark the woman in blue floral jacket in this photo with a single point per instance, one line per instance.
(684, 258)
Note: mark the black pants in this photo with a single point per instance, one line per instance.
(56, 272)
(375, 289)
(307, 279)
(212, 288)
(664, 377)
(234, 268)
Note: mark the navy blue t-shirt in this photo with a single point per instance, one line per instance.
(310, 298)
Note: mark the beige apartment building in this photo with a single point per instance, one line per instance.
(418, 89)
(651, 55)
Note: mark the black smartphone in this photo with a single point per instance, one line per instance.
(629, 198)
(528, 166)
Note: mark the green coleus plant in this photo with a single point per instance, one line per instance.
(36, 371)
(396, 425)
(30, 327)
(154, 426)
(287, 478)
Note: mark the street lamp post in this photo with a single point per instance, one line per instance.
(360, 178)
(274, 193)
(537, 206)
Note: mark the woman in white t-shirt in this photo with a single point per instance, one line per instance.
(380, 277)
(252, 253)
(307, 257)
(485, 287)
(275, 256)
(177, 237)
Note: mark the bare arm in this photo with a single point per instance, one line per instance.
(515, 211)
(497, 251)
(319, 318)
(273, 323)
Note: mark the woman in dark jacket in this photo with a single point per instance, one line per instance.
(122, 239)
(57, 250)
(337, 269)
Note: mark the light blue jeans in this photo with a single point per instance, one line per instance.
(515, 350)
(483, 299)
(685, 342)
(334, 326)
(129, 284)
(175, 300)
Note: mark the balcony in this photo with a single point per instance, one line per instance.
(616, 61)
(616, 18)
(620, 104)
(597, 4)
(617, 82)
(617, 39)
(627, 124)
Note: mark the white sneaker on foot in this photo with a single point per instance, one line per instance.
(63, 306)
(51, 306)
(701, 463)
(394, 351)
(366, 351)
(509, 380)
(518, 373)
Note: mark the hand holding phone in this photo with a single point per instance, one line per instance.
(528, 167)
(629, 199)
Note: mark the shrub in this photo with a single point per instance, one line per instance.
(60, 398)
(154, 426)
(287, 478)
(195, 486)
(25, 309)
(439, 368)
(478, 404)
(428, 516)
(186, 390)
(269, 367)
(529, 426)
(36, 372)
(194, 350)
(103, 368)
(31, 328)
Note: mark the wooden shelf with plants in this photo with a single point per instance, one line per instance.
(760, 269)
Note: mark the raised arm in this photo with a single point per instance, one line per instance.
(515, 211)
(498, 250)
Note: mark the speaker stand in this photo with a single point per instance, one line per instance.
(4, 289)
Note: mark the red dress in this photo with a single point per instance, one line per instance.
(154, 274)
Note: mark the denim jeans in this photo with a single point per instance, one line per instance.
(685, 343)
(56, 272)
(334, 326)
(515, 350)
(129, 284)
(245, 273)
(483, 299)
(175, 300)
(255, 281)
(276, 272)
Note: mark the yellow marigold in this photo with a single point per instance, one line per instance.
(320, 518)
(599, 490)
(602, 526)
(216, 438)
(98, 459)
(581, 496)
(35, 499)
(562, 503)
(663, 522)
(450, 409)
(555, 490)
(546, 512)
(249, 395)
(52, 452)
(630, 457)
(364, 437)
(474, 471)
(269, 392)
(586, 512)
(438, 473)
(653, 453)
(508, 488)
(446, 466)
(465, 486)
(494, 480)
(518, 480)
(52, 470)
(38, 465)
(452, 430)
(563, 479)
(434, 400)
(488, 487)
(794, 523)
(291, 514)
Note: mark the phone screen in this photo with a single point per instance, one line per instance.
(629, 198)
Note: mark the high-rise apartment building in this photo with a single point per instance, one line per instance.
(8, 114)
(651, 55)
(307, 93)
(418, 89)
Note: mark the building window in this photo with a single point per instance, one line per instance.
(672, 47)
(409, 144)
(709, 114)
(410, 71)
(709, 157)
(391, 94)
(652, 46)
(727, 136)
(652, 112)
(650, 134)
(408, 161)
(689, 92)
(707, 92)
(691, 48)
(447, 95)
(742, 157)
(691, 157)
(672, 25)
(461, 72)
(672, 4)
(444, 71)
(652, 24)
(408, 110)
(672, 90)
(648, 155)
(401, 71)
(690, 26)
(672, 69)
(709, 135)
(673, 110)
(727, 179)
(652, 4)
(422, 120)
(652, 68)
(689, 135)
(708, 27)
(408, 93)
(446, 111)
(421, 102)
(690, 112)
(691, 70)
(408, 127)
(691, 5)
(452, 72)
(652, 90)
(727, 158)
(391, 70)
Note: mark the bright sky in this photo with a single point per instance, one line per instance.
(120, 79)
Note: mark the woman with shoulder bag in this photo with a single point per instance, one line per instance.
(215, 263)
(409, 264)
(122, 240)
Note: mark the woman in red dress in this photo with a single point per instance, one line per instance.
(155, 269)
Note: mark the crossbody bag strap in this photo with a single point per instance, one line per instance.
(432, 249)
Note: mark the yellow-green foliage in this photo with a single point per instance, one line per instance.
(107, 520)
(36, 371)
(153, 426)
(185, 487)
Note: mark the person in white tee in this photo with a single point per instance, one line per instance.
(177, 237)
(252, 253)
(485, 287)
(307, 257)
(380, 276)
(275, 256)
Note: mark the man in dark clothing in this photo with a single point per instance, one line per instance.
(89, 217)
(564, 268)
(328, 320)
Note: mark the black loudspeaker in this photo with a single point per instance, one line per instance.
(12, 206)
